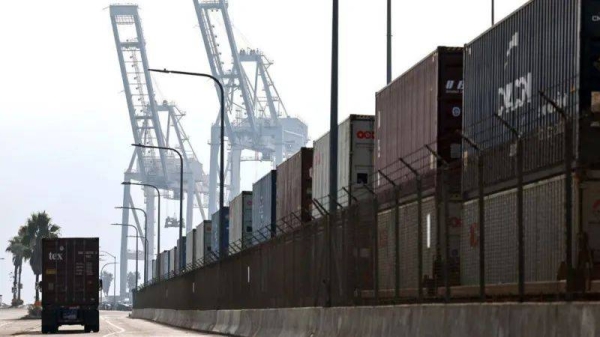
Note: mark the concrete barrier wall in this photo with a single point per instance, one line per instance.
(460, 320)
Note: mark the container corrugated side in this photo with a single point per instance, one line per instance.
(294, 185)
(421, 107)
(544, 46)
(355, 161)
(189, 247)
(240, 228)
(264, 196)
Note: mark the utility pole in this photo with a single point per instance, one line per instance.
(493, 6)
(333, 144)
(389, 41)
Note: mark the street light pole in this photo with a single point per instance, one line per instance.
(145, 238)
(222, 154)
(158, 222)
(180, 192)
(136, 250)
(115, 278)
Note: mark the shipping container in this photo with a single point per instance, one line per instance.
(181, 247)
(421, 107)
(240, 231)
(220, 233)
(356, 137)
(203, 240)
(189, 247)
(545, 46)
(264, 205)
(70, 283)
(294, 185)
(433, 243)
(172, 261)
(154, 271)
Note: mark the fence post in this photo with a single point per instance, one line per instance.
(419, 227)
(444, 194)
(375, 242)
(568, 162)
(520, 228)
(396, 235)
(481, 211)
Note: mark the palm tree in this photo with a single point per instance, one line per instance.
(20, 253)
(39, 226)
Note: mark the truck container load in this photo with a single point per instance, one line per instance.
(294, 185)
(70, 283)
(220, 233)
(421, 107)
(264, 197)
(356, 136)
(189, 247)
(240, 230)
(548, 46)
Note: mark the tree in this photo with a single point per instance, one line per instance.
(20, 252)
(39, 226)
(107, 279)
(131, 278)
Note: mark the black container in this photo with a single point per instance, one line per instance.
(546, 45)
(70, 283)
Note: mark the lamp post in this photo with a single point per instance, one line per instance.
(222, 154)
(180, 188)
(145, 238)
(136, 249)
(115, 278)
(158, 221)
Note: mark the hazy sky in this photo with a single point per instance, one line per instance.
(63, 116)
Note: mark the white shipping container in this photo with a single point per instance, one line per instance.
(172, 261)
(203, 239)
(189, 247)
(164, 260)
(356, 139)
(240, 218)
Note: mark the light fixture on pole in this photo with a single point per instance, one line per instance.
(158, 221)
(145, 237)
(180, 191)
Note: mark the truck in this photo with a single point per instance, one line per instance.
(70, 283)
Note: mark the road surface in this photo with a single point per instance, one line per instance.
(112, 323)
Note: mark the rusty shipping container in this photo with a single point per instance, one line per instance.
(294, 186)
(421, 107)
(264, 205)
(355, 161)
(240, 227)
(549, 46)
(70, 283)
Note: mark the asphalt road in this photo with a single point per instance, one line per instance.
(111, 324)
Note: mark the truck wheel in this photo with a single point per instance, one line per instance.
(45, 329)
(87, 329)
(96, 328)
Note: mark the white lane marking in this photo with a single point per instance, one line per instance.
(3, 324)
(116, 326)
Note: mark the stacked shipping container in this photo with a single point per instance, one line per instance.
(220, 233)
(546, 46)
(355, 161)
(264, 205)
(240, 230)
(294, 184)
(421, 107)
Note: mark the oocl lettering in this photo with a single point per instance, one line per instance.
(365, 135)
(515, 94)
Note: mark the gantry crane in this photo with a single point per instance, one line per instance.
(148, 166)
(256, 118)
